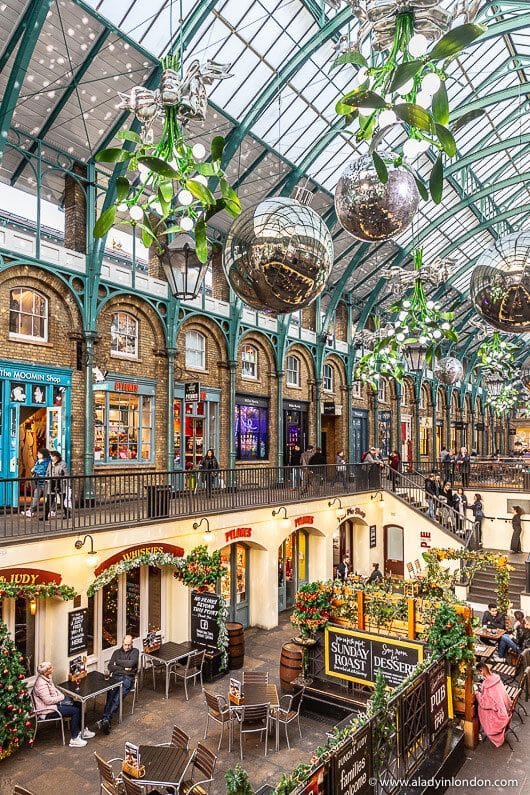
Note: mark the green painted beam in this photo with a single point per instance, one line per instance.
(339, 287)
(369, 304)
(38, 11)
(519, 91)
(72, 86)
(480, 153)
(15, 38)
(513, 212)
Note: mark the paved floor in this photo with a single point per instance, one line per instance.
(48, 769)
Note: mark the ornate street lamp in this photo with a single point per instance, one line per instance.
(494, 383)
(183, 270)
(415, 357)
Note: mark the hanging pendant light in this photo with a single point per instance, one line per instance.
(182, 268)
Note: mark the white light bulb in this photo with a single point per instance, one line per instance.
(418, 45)
(423, 340)
(446, 326)
(122, 207)
(422, 146)
(406, 88)
(186, 223)
(431, 83)
(437, 334)
(362, 74)
(144, 176)
(136, 212)
(400, 336)
(386, 118)
(406, 304)
(423, 99)
(157, 208)
(402, 315)
(198, 151)
(390, 332)
(430, 304)
(185, 197)
(201, 179)
(410, 149)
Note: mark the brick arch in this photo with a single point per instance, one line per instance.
(427, 391)
(407, 391)
(455, 403)
(215, 339)
(441, 400)
(303, 353)
(264, 347)
(151, 336)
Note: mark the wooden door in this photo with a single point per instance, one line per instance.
(394, 551)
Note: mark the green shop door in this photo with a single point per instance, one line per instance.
(235, 586)
(292, 568)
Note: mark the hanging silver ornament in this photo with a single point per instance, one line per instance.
(169, 88)
(448, 370)
(370, 210)
(140, 101)
(525, 376)
(500, 283)
(278, 255)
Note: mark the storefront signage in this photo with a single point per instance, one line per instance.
(239, 532)
(438, 707)
(246, 400)
(302, 521)
(135, 552)
(357, 656)
(77, 631)
(459, 425)
(356, 512)
(373, 536)
(328, 408)
(425, 539)
(351, 766)
(192, 391)
(289, 405)
(204, 612)
(36, 376)
(21, 576)
(125, 386)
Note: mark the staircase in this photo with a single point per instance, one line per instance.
(483, 588)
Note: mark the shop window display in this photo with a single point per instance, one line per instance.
(109, 610)
(123, 427)
(28, 314)
(25, 633)
(124, 335)
(251, 432)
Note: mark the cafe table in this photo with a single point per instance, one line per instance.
(168, 654)
(164, 766)
(90, 687)
(483, 652)
(259, 694)
(486, 633)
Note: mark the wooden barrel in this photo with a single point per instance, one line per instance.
(236, 645)
(291, 663)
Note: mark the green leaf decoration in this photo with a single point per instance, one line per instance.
(113, 155)
(341, 109)
(380, 168)
(206, 169)
(129, 135)
(455, 41)
(201, 192)
(164, 204)
(232, 202)
(148, 236)
(159, 166)
(216, 147)
(466, 118)
(366, 127)
(414, 115)
(362, 98)
(123, 187)
(201, 243)
(445, 136)
(404, 72)
(436, 181)
(354, 57)
(166, 189)
(440, 105)
(422, 188)
(105, 221)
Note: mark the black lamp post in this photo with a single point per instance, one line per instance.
(182, 268)
(415, 357)
(494, 383)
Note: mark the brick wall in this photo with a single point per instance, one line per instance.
(75, 210)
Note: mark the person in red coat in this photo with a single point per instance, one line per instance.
(494, 705)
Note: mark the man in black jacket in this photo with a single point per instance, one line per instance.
(493, 619)
(123, 667)
(344, 568)
(431, 491)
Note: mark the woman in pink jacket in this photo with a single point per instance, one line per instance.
(47, 699)
(494, 705)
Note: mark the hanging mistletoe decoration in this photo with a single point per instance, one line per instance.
(169, 190)
(497, 355)
(505, 400)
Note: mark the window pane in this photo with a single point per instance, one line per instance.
(241, 573)
(124, 334)
(132, 603)
(226, 580)
(302, 555)
(90, 626)
(154, 619)
(109, 632)
(195, 344)
(28, 311)
(25, 633)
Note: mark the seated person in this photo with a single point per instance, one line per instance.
(494, 704)
(376, 575)
(123, 666)
(493, 618)
(47, 696)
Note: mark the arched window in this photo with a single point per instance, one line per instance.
(327, 379)
(195, 350)
(382, 387)
(293, 371)
(28, 314)
(124, 335)
(249, 362)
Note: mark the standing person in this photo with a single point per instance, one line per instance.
(460, 506)
(463, 462)
(515, 543)
(447, 517)
(47, 697)
(60, 492)
(210, 467)
(40, 488)
(294, 462)
(431, 491)
(305, 460)
(341, 468)
(343, 569)
(373, 463)
(478, 516)
(394, 463)
(123, 667)
(318, 462)
(494, 704)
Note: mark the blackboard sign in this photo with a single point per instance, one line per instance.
(479, 426)
(192, 391)
(373, 536)
(357, 656)
(204, 610)
(352, 766)
(438, 708)
(329, 408)
(77, 631)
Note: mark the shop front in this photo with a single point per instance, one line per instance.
(293, 568)
(195, 425)
(331, 437)
(295, 428)
(385, 432)
(235, 585)
(359, 430)
(124, 418)
(251, 428)
(34, 413)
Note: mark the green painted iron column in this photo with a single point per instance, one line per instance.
(232, 365)
(279, 418)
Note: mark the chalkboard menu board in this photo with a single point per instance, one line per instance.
(351, 766)
(358, 656)
(77, 631)
(438, 707)
(204, 611)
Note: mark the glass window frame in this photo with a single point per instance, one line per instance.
(356, 390)
(116, 334)
(188, 350)
(328, 378)
(18, 335)
(382, 389)
(295, 381)
(265, 439)
(252, 351)
(106, 459)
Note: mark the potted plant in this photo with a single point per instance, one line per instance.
(201, 570)
(312, 608)
(237, 781)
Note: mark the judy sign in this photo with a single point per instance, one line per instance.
(358, 656)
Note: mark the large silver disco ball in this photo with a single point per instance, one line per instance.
(500, 283)
(370, 210)
(448, 370)
(278, 255)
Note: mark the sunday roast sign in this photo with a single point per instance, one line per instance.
(358, 656)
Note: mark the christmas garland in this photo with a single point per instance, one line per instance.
(222, 637)
(10, 590)
(158, 559)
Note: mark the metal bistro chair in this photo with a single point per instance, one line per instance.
(203, 767)
(253, 719)
(515, 694)
(509, 727)
(509, 673)
(191, 669)
(255, 678)
(179, 739)
(288, 711)
(219, 711)
(46, 715)
(110, 783)
(135, 691)
(130, 787)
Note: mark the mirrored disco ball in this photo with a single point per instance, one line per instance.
(525, 376)
(370, 210)
(278, 255)
(500, 283)
(448, 370)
